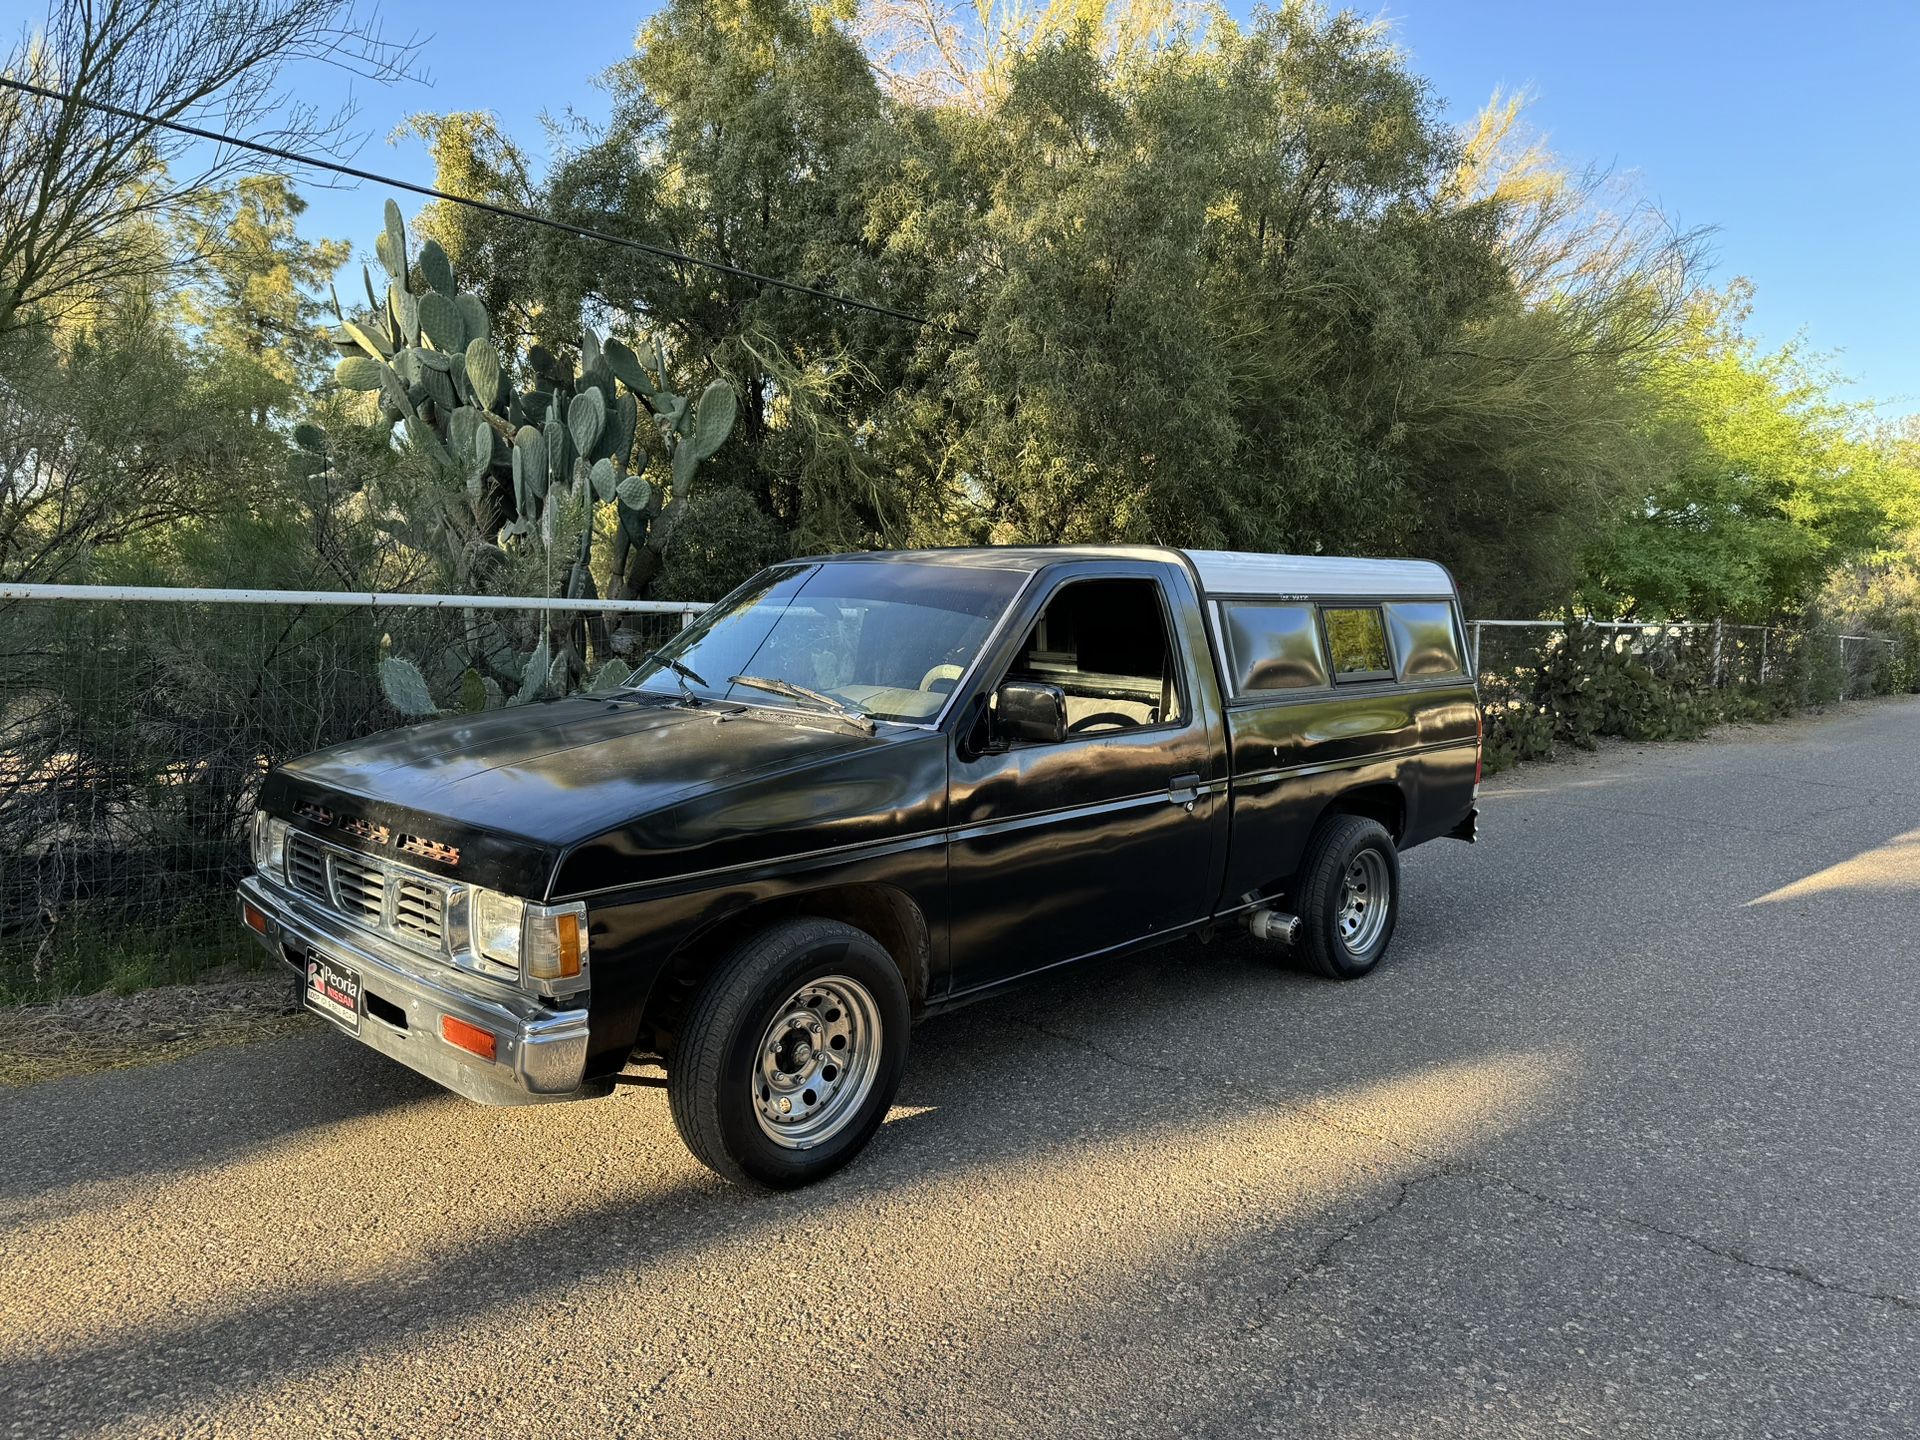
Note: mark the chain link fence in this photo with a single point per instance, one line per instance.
(1548, 682)
(135, 727)
(1725, 656)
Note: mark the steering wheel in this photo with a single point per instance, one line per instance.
(1111, 718)
(939, 673)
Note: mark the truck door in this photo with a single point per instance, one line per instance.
(1061, 850)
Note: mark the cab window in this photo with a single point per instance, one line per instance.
(1105, 644)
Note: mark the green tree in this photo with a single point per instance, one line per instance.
(743, 130)
(1306, 330)
(1764, 484)
(115, 431)
(253, 292)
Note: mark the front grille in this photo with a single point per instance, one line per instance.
(307, 868)
(360, 887)
(411, 908)
(420, 910)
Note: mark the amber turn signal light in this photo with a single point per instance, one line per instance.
(468, 1037)
(554, 946)
(569, 934)
(250, 913)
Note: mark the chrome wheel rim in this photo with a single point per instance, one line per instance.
(816, 1063)
(1365, 898)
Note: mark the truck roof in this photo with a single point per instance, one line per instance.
(1220, 572)
(1236, 572)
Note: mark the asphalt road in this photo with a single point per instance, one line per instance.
(1623, 1139)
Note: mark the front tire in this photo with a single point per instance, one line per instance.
(1349, 897)
(791, 1055)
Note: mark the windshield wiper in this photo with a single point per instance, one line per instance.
(682, 673)
(800, 692)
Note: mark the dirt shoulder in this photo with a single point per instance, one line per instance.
(85, 1033)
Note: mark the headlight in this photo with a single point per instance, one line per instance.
(544, 943)
(269, 843)
(496, 922)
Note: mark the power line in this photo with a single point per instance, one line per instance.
(582, 232)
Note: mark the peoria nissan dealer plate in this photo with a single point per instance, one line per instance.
(334, 991)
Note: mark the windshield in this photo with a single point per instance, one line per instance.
(889, 639)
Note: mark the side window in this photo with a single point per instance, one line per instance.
(1272, 646)
(1425, 639)
(1105, 644)
(1357, 642)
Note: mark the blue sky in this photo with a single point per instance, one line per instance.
(1791, 129)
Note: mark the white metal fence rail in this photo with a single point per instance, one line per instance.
(358, 599)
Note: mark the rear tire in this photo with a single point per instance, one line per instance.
(791, 1055)
(1348, 897)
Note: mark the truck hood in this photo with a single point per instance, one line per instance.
(513, 790)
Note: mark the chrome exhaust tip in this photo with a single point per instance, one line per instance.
(1277, 925)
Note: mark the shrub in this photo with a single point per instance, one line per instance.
(1583, 683)
(1595, 683)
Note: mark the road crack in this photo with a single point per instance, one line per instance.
(1440, 1168)
(1323, 1256)
(1728, 1253)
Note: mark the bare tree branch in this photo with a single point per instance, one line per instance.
(78, 186)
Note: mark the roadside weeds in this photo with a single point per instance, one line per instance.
(84, 1033)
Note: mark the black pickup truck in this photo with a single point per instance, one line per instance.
(860, 790)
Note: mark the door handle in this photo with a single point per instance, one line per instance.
(1185, 790)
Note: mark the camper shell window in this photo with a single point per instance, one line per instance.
(1273, 646)
(1357, 641)
(1425, 639)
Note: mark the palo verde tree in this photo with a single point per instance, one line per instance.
(1766, 483)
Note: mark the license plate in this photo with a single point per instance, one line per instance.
(334, 991)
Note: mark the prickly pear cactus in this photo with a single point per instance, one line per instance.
(516, 461)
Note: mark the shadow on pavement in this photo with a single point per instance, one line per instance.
(207, 1109)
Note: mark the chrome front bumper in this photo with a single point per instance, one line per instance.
(540, 1054)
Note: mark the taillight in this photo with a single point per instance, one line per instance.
(1479, 742)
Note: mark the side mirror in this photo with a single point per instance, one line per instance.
(1031, 711)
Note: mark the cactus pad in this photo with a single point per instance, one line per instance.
(437, 269)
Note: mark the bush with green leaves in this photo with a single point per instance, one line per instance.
(1585, 683)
